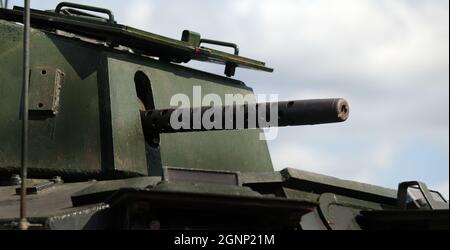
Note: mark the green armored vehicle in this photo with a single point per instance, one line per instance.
(106, 147)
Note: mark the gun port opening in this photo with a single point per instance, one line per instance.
(144, 91)
(146, 101)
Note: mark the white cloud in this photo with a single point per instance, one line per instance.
(138, 14)
(358, 164)
(302, 157)
(373, 38)
(382, 154)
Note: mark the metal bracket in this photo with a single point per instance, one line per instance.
(194, 39)
(62, 5)
(403, 195)
(191, 37)
(220, 43)
(44, 94)
(41, 187)
(230, 68)
(340, 212)
(198, 175)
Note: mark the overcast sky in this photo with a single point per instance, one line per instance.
(389, 59)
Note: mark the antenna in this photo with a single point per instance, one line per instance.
(4, 5)
(23, 224)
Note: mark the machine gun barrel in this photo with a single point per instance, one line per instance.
(248, 116)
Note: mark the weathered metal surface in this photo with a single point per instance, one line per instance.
(312, 221)
(188, 210)
(194, 176)
(36, 188)
(52, 150)
(91, 217)
(304, 180)
(431, 203)
(123, 140)
(152, 44)
(52, 208)
(189, 150)
(45, 89)
(206, 188)
(52, 201)
(341, 212)
(301, 181)
(101, 190)
(87, 93)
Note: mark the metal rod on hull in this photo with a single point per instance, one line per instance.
(23, 224)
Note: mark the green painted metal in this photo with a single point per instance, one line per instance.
(52, 149)
(45, 88)
(191, 37)
(121, 103)
(341, 212)
(98, 104)
(322, 183)
(152, 44)
(190, 150)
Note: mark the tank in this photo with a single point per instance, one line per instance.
(120, 135)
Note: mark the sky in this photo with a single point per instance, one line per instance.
(389, 59)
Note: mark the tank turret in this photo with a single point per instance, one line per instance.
(106, 148)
